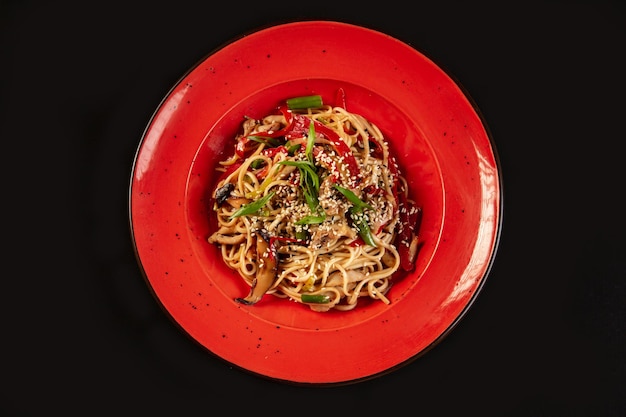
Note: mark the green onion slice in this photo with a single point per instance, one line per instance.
(357, 215)
(257, 163)
(292, 149)
(312, 219)
(305, 102)
(315, 298)
(310, 181)
(269, 141)
(364, 229)
(252, 207)
(310, 142)
(356, 201)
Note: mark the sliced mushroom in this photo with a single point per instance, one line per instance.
(227, 236)
(237, 202)
(336, 278)
(266, 274)
(222, 193)
(271, 126)
(324, 235)
(388, 259)
(271, 123)
(413, 248)
(248, 126)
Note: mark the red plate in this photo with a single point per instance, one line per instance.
(443, 148)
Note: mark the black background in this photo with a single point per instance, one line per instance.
(82, 335)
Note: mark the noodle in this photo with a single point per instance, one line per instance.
(309, 207)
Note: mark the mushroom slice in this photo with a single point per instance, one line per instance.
(227, 236)
(237, 202)
(337, 277)
(222, 193)
(413, 248)
(266, 274)
(248, 126)
(388, 259)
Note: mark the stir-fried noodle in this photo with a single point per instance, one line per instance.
(312, 207)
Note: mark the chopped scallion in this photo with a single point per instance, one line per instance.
(356, 212)
(364, 229)
(305, 102)
(269, 141)
(252, 207)
(356, 201)
(310, 142)
(315, 298)
(302, 235)
(257, 163)
(293, 149)
(312, 219)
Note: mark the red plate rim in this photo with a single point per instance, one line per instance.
(446, 145)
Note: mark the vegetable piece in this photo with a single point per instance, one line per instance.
(268, 140)
(269, 176)
(242, 145)
(288, 115)
(276, 241)
(258, 163)
(237, 202)
(302, 235)
(292, 149)
(222, 193)
(228, 171)
(312, 219)
(407, 239)
(252, 207)
(356, 201)
(266, 275)
(310, 184)
(364, 229)
(227, 236)
(300, 127)
(307, 168)
(272, 152)
(315, 298)
(267, 258)
(340, 98)
(309, 181)
(358, 217)
(305, 102)
(310, 142)
(395, 173)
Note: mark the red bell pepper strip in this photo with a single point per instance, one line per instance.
(271, 152)
(280, 132)
(410, 219)
(228, 171)
(340, 98)
(357, 242)
(242, 143)
(261, 174)
(393, 169)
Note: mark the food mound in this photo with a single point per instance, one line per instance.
(312, 207)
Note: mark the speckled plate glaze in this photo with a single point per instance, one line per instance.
(443, 147)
